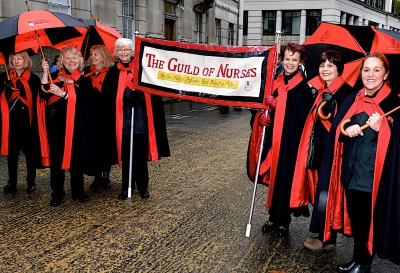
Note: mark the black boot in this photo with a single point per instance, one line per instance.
(11, 187)
(31, 187)
(346, 267)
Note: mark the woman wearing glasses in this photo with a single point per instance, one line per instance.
(149, 140)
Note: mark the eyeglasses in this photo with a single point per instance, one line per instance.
(124, 49)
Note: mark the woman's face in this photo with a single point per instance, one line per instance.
(124, 53)
(373, 74)
(18, 62)
(291, 62)
(328, 72)
(96, 59)
(71, 62)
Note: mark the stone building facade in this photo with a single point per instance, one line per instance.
(298, 19)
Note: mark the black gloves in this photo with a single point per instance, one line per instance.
(19, 84)
(9, 84)
(328, 97)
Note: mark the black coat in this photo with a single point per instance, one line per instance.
(84, 157)
(130, 98)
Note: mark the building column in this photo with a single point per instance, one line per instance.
(255, 28)
(388, 6)
(303, 19)
(278, 26)
(351, 20)
(365, 22)
(343, 18)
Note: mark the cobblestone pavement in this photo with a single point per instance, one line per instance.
(194, 221)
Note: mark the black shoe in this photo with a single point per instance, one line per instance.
(283, 231)
(123, 195)
(106, 183)
(346, 267)
(81, 197)
(144, 194)
(31, 187)
(55, 201)
(10, 187)
(268, 227)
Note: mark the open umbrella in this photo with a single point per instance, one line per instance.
(333, 37)
(99, 34)
(32, 29)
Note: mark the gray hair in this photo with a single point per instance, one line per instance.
(120, 42)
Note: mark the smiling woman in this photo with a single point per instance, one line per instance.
(69, 115)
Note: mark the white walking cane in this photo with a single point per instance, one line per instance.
(131, 146)
(256, 179)
(278, 42)
(131, 153)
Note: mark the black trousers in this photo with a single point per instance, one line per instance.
(359, 209)
(140, 172)
(21, 140)
(57, 178)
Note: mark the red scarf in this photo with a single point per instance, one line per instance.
(5, 111)
(97, 80)
(337, 218)
(126, 80)
(280, 111)
(69, 87)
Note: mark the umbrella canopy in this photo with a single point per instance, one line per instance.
(353, 42)
(32, 29)
(97, 34)
(334, 37)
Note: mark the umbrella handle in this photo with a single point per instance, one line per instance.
(365, 126)
(321, 114)
(8, 78)
(342, 130)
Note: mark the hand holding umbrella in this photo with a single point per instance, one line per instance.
(373, 121)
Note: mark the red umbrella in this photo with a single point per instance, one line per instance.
(367, 39)
(97, 34)
(32, 29)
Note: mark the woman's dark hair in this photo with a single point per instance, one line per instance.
(334, 57)
(292, 47)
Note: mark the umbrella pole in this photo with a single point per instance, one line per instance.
(131, 153)
(256, 180)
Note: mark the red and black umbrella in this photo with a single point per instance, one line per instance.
(32, 29)
(341, 38)
(99, 34)
(353, 42)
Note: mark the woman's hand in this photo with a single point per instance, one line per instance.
(375, 121)
(45, 75)
(354, 130)
(54, 89)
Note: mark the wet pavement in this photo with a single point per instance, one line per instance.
(194, 221)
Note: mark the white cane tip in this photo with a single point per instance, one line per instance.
(248, 230)
(129, 192)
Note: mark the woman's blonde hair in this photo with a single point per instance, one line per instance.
(103, 51)
(75, 52)
(24, 55)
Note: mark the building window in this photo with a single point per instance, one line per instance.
(218, 31)
(231, 34)
(379, 4)
(269, 22)
(63, 6)
(313, 21)
(291, 22)
(245, 22)
(196, 27)
(128, 8)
